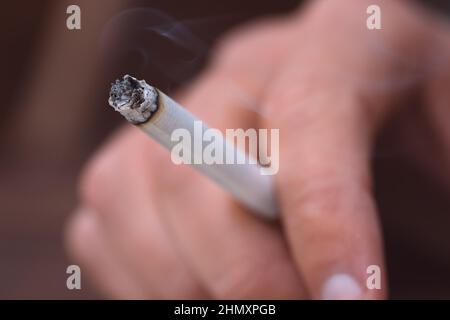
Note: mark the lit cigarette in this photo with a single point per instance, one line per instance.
(159, 116)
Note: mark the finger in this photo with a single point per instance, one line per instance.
(325, 195)
(86, 243)
(234, 253)
(327, 106)
(118, 187)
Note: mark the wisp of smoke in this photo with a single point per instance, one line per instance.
(154, 42)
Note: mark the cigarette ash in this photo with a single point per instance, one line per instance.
(134, 99)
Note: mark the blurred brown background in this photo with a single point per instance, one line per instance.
(54, 86)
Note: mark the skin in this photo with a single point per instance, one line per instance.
(147, 228)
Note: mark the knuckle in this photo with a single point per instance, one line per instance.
(105, 175)
(239, 47)
(301, 100)
(319, 198)
(96, 181)
(293, 96)
(229, 54)
(326, 198)
(109, 169)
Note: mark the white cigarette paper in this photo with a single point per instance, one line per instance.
(158, 116)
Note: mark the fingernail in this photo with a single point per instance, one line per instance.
(341, 287)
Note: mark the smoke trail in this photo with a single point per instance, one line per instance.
(152, 42)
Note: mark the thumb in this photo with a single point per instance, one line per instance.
(325, 196)
(327, 123)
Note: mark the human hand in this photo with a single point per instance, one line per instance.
(147, 228)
